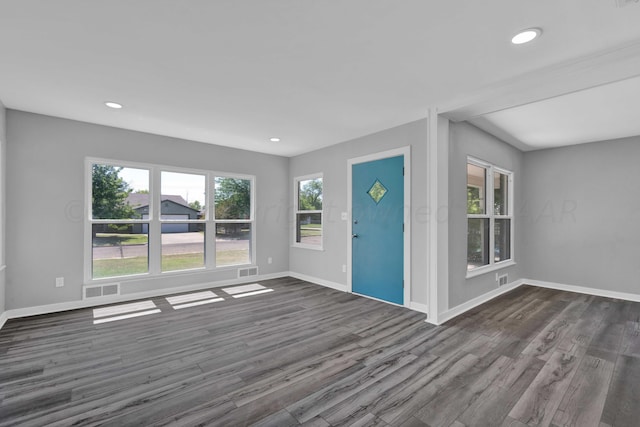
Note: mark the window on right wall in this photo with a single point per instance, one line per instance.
(489, 215)
(308, 211)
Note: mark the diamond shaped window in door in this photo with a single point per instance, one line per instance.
(377, 191)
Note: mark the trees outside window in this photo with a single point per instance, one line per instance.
(308, 211)
(119, 237)
(151, 219)
(109, 193)
(232, 214)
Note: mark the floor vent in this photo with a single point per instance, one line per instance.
(246, 272)
(94, 291)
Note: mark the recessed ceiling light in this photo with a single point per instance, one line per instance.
(112, 104)
(274, 139)
(525, 36)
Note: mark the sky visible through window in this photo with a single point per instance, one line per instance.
(189, 186)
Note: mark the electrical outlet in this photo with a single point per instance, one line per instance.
(59, 282)
(269, 260)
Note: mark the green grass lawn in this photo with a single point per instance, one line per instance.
(113, 239)
(119, 267)
(182, 261)
(232, 257)
(113, 267)
(308, 230)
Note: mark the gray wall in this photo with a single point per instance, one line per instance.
(332, 162)
(467, 140)
(46, 161)
(576, 208)
(582, 224)
(3, 139)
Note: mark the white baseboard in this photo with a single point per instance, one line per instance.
(3, 318)
(415, 306)
(584, 290)
(318, 281)
(423, 308)
(459, 309)
(94, 302)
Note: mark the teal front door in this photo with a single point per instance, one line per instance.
(377, 249)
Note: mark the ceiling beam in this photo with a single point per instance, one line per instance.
(601, 68)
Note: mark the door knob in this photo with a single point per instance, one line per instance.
(355, 236)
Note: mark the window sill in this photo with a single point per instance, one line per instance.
(489, 268)
(151, 276)
(313, 248)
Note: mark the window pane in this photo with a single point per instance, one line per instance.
(118, 192)
(502, 240)
(477, 242)
(310, 195)
(120, 249)
(232, 198)
(309, 228)
(475, 189)
(182, 195)
(500, 193)
(233, 243)
(182, 246)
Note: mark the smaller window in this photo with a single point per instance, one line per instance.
(489, 215)
(308, 211)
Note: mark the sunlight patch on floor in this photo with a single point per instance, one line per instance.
(125, 316)
(193, 299)
(248, 294)
(123, 308)
(244, 288)
(195, 303)
(196, 296)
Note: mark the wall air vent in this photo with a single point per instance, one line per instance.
(246, 272)
(503, 280)
(95, 291)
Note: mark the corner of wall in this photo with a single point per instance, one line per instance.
(3, 144)
(468, 140)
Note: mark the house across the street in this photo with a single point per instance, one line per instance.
(173, 207)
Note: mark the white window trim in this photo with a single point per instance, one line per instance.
(154, 221)
(296, 211)
(489, 214)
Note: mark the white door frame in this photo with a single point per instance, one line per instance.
(402, 151)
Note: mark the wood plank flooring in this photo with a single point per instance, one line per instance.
(307, 355)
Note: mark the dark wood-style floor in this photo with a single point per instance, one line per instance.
(304, 354)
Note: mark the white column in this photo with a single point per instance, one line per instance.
(438, 197)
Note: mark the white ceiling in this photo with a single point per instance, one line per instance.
(601, 113)
(316, 73)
